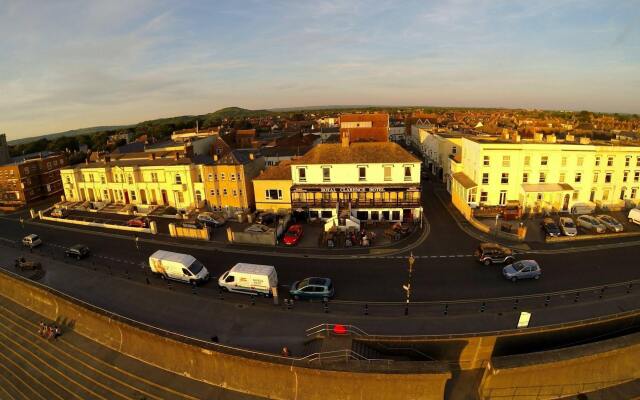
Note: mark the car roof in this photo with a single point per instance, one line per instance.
(317, 281)
(32, 236)
(485, 246)
(529, 262)
(78, 246)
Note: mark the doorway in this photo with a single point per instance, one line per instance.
(165, 198)
(143, 197)
(126, 197)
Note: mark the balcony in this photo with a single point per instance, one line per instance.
(370, 203)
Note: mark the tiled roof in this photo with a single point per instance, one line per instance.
(362, 152)
(281, 171)
(377, 117)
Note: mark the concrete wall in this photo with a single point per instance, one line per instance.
(242, 371)
(266, 238)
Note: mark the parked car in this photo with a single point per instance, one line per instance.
(590, 224)
(210, 219)
(77, 251)
(179, 267)
(493, 253)
(634, 216)
(524, 269)
(138, 222)
(293, 235)
(31, 241)
(611, 223)
(59, 213)
(266, 218)
(568, 227)
(312, 288)
(251, 279)
(550, 227)
(257, 228)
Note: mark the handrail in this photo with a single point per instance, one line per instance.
(345, 353)
(326, 327)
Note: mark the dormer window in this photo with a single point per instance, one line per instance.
(302, 174)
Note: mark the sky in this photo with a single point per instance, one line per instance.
(81, 63)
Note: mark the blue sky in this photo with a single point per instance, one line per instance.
(73, 64)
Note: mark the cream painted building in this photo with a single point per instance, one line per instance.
(545, 173)
(371, 180)
(155, 180)
(272, 188)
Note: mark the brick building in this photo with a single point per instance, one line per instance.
(365, 127)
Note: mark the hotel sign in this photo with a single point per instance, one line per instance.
(351, 189)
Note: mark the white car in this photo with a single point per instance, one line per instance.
(591, 224)
(634, 216)
(611, 223)
(568, 227)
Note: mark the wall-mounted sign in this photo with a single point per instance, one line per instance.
(352, 189)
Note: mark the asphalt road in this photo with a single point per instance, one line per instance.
(444, 269)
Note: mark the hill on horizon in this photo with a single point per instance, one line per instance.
(69, 133)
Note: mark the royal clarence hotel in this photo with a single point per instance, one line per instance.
(371, 180)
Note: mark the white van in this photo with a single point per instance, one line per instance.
(31, 241)
(634, 215)
(179, 267)
(249, 279)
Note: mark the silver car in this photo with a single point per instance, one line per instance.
(524, 269)
(568, 227)
(611, 223)
(591, 224)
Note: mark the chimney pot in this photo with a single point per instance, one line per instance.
(215, 157)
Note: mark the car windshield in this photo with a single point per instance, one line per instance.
(303, 283)
(34, 237)
(196, 267)
(518, 266)
(291, 233)
(568, 224)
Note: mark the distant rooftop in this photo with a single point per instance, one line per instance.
(281, 171)
(359, 152)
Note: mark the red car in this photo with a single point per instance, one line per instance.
(138, 222)
(293, 235)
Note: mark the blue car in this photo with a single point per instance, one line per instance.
(524, 269)
(312, 288)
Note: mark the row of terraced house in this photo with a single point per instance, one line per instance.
(363, 174)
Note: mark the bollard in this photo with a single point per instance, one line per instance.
(629, 288)
(575, 299)
(482, 307)
(146, 278)
(253, 299)
(602, 292)
(326, 305)
(515, 304)
(366, 309)
(546, 301)
(126, 273)
(446, 309)
(287, 304)
(169, 286)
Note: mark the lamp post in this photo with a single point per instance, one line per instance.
(407, 287)
(495, 227)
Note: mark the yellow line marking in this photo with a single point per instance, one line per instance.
(124, 372)
(73, 382)
(29, 375)
(4, 379)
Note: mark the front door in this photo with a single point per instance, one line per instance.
(126, 197)
(165, 198)
(503, 197)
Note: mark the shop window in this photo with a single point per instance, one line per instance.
(395, 216)
(326, 214)
(375, 215)
(313, 214)
(386, 215)
(362, 215)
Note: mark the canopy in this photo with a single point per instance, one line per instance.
(546, 187)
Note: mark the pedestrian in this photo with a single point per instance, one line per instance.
(285, 352)
(57, 332)
(41, 329)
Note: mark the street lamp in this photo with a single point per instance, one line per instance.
(407, 287)
(495, 227)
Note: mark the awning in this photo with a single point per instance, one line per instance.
(546, 187)
(464, 180)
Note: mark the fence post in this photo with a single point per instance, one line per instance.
(446, 309)
(366, 309)
(546, 301)
(515, 304)
(575, 300)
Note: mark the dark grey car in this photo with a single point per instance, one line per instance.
(524, 269)
(77, 251)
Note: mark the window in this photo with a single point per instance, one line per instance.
(503, 197)
(564, 161)
(525, 177)
(484, 196)
(273, 194)
(610, 161)
(454, 150)
(598, 161)
(103, 179)
(48, 164)
(210, 177)
(90, 177)
(504, 179)
(212, 192)
(578, 177)
(407, 173)
(596, 175)
(179, 197)
(233, 177)
(235, 193)
(362, 173)
(544, 160)
(485, 161)
(387, 173)
(562, 177)
(506, 161)
(607, 177)
(178, 179)
(636, 176)
(68, 179)
(485, 178)
(605, 195)
(326, 174)
(627, 161)
(222, 176)
(634, 191)
(527, 160)
(133, 195)
(575, 195)
(638, 161)
(471, 195)
(543, 177)
(625, 176)
(302, 174)
(224, 192)
(623, 191)
(580, 161)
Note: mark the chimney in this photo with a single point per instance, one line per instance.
(345, 139)
(152, 156)
(569, 138)
(505, 134)
(551, 138)
(251, 156)
(515, 137)
(107, 159)
(177, 155)
(538, 137)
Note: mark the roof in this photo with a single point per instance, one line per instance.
(236, 157)
(134, 163)
(254, 269)
(134, 147)
(546, 187)
(464, 180)
(184, 259)
(166, 143)
(361, 152)
(281, 171)
(373, 117)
